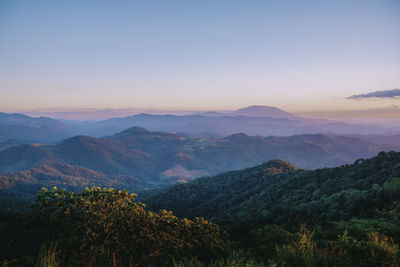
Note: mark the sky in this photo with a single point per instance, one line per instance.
(301, 56)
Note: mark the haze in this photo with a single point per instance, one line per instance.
(205, 55)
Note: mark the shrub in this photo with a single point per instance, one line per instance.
(106, 227)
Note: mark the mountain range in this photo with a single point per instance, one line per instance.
(138, 158)
(253, 120)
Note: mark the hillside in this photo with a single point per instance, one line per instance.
(18, 128)
(157, 158)
(63, 175)
(278, 193)
(18, 188)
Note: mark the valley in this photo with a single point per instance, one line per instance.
(140, 159)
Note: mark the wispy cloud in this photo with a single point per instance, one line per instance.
(377, 94)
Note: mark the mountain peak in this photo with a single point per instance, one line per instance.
(78, 140)
(132, 132)
(238, 135)
(262, 111)
(239, 138)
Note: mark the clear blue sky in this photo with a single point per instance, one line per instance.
(297, 55)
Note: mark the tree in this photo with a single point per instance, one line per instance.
(107, 227)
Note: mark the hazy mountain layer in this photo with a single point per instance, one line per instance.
(140, 157)
(253, 120)
(17, 128)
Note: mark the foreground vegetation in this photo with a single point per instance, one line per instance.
(270, 215)
(106, 227)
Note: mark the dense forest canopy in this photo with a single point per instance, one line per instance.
(277, 192)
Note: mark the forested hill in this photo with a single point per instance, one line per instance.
(164, 158)
(279, 193)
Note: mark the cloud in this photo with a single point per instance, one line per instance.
(377, 94)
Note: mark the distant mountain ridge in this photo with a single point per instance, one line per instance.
(262, 111)
(252, 120)
(19, 128)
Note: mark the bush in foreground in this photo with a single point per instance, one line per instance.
(106, 227)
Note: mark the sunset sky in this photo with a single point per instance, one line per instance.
(198, 55)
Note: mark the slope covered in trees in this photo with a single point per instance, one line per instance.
(18, 189)
(279, 193)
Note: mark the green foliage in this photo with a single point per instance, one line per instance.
(371, 251)
(374, 250)
(244, 200)
(360, 227)
(301, 252)
(262, 241)
(106, 227)
(393, 213)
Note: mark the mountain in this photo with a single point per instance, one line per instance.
(154, 159)
(19, 128)
(58, 174)
(252, 111)
(18, 188)
(17, 158)
(262, 111)
(276, 192)
(379, 139)
(252, 120)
